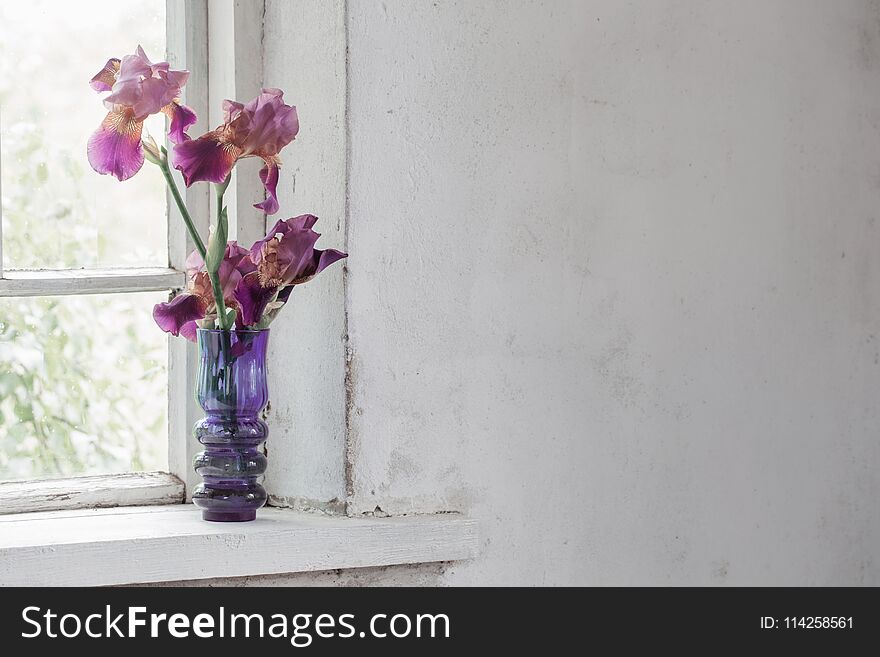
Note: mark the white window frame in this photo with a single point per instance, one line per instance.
(83, 545)
(191, 25)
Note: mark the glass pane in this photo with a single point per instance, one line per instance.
(57, 212)
(83, 386)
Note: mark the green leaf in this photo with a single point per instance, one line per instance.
(42, 172)
(24, 412)
(217, 244)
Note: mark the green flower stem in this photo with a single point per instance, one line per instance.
(222, 319)
(228, 385)
(187, 219)
(222, 315)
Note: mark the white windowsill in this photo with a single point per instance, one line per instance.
(130, 489)
(98, 547)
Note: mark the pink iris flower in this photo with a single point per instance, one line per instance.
(181, 315)
(138, 88)
(259, 129)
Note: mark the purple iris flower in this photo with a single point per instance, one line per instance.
(284, 258)
(138, 88)
(259, 129)
(181, 315)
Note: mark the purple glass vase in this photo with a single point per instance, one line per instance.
(232, 390)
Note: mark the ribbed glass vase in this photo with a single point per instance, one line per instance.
(233, 391)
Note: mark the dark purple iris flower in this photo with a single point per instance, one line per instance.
(286, 257)
(256, 283)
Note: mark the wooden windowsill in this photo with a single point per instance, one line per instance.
(100, 547)
(97, 491)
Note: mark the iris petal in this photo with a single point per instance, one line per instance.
(153, 95)
(181, 117)
(115, 147)
(302, 222)
(229, 278)
(240, 258)
(176, 78)
(326, 258)
(287, 255)
(282, 227)
(260, 128)
(284, 294)
(269, 178)
(296, 252)
(188, 330)
(252, 298)
(265, 125)
(194, 264)
(136, 66)
(204, 159)
(172, 317)
(104, 79)
(319, 261)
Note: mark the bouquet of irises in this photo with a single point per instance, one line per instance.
(228, 286)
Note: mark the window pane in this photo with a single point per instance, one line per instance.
(83, 386)
(57, 212)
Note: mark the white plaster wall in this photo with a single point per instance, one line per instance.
(304, 54)
(613, 284)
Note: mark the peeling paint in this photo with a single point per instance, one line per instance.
(328, 507)
(351, 442)
(409, 575)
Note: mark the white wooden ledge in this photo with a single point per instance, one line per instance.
(129, 489)
(48, 282)
(157, 544)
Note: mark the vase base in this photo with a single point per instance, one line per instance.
(230, 516)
